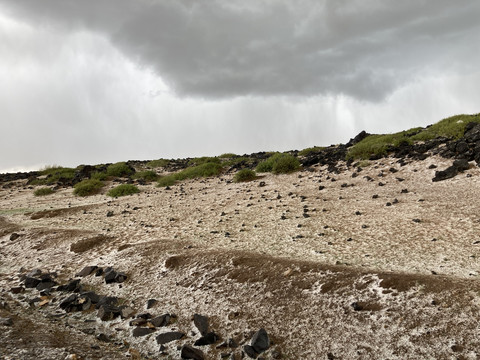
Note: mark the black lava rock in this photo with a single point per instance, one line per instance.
(189, 352)
(201, 323)
(169, 337)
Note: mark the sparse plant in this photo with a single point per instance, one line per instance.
(204, 170)
(123, 190)
(120, 169)
(279, 163)
(99, 176)
(158, 163)
(452, 127)
(148, 175)
(245, 175)
(88, 187)
(227, 156)
(310, 150)
(204, 160)
(43, 191)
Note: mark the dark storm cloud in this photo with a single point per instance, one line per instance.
(217, 49)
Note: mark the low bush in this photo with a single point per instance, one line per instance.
(452, 127)
(377, 145)
(123, 190)
(279, 163)
(148, 175)
(227, 156)
(310, 150)
(205, 160)
(120, 169)
(158, 163)
(43, 191)
(245, 175)
(88, 187)
(205, 170)
(99, 176)
(54, 174)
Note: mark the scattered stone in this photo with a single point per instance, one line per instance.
(6, 321)
(201, 323)
(358, 213)
(208, 339)
(14, 236)
(262, 184)
(126, 312)
(250, 351)
(189, 352)
(375, 196)
(160, 321)
(321, 187)
(31, 282)
(87, 270)
(404, 191)
(109, 213)
(108, 312)
(416, 220)
(142, 331)
(151, 303)
(260, 341)
(169, 337)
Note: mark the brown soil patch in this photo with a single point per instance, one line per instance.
(7, 227)
(90, 243)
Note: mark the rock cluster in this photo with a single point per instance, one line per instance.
(72, 297)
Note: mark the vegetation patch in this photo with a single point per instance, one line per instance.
(53, 174)
(123, 190)
(88, 187)
(120, 169)
(310, 150)
(158, 163)
(205, 160)
(245, 175)
(378, 145)
(452, 127)
(99, 176)
(228, 156)
(279, 163)
(43, 191)
(147, 175)
(205, 170)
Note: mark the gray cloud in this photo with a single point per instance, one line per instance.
(219, 49)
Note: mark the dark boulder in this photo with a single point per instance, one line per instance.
(189, 352)
(14, 236)
(208, 339)
(142, 331)
(87, 270)
(169, 337)
(201, 323)
(31, 282)
(459, 165)
(362, 135)
(108, 312)
(250, 351)
(151, 303)
(160, 321)
(260, 341)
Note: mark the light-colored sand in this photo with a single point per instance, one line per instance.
(220, 248)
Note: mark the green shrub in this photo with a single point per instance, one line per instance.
(452, 127)
(99, 176)
(54, 174)
(378, 144)
(245, 175)
(123, 190)
(147, 175)
(279, 163)
(119, 169)
(43, 191)
(204, 170)
(204, 160)
(237, 160)
(310, 150)
(158, 163)
(168, 180)
(285, 164)
(227, 156)
(88, 187)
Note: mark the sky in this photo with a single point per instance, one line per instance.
(100, 81)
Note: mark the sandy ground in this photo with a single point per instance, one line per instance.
(286, 256)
